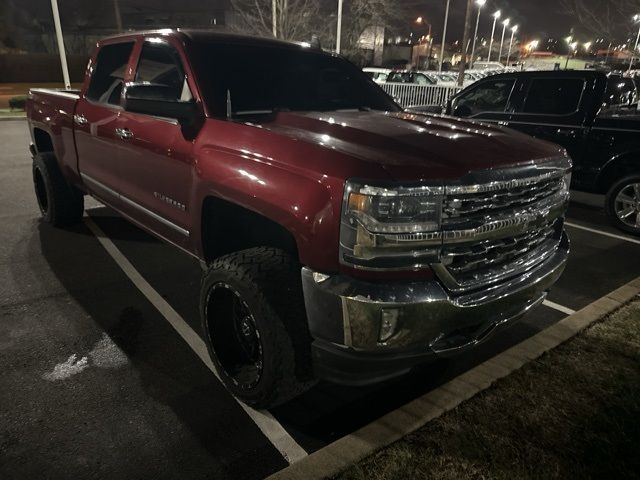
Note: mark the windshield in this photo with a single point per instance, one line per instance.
(262, 79)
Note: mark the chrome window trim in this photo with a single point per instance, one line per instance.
(57, 92)
(136, 205)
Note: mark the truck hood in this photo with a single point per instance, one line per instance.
(412, 146)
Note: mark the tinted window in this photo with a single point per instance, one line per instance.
(491, 96)
(108, 78)
(620, 92)
(265, 78)
(160, 65)
(554, 96)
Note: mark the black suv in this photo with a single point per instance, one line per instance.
(592, 114)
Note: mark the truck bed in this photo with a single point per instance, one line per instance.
(50, 111)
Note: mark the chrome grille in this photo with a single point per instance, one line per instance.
(490, 260)
(462, 205)
(496, 230)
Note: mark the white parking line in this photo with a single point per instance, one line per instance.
(269, 426)
(560, 308)
(600, 232)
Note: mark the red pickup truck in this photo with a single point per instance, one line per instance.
(341, 237)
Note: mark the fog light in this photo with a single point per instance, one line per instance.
(388, 323)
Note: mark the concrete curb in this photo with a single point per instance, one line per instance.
(13, 117)
(339, 455)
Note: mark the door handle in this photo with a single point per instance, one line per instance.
(80, 119)
(123, 133)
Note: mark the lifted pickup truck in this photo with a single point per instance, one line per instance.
(342, 238)
(593, 115)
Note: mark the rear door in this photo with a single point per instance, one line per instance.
(553, 108)
(156, 157)
(95, 121)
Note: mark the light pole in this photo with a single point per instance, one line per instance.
(636, 18)
(505, 24)
(569, 39)
(63, 54)
(274, 25)
(495, 16)
(339, 28)
(480, 4)
(514, 29)
(444, 35)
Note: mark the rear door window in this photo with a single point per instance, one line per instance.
(620, 92)
(554, 96)
(107, 80)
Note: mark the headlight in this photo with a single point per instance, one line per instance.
(390, 227)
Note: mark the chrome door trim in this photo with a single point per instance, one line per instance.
(101, 185)
(137, 206)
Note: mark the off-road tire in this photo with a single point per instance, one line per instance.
(268, 281)
(61, 204)
(610, 201)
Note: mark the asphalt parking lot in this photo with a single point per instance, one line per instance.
(97, 383)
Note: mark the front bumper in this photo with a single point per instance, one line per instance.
(344, 317)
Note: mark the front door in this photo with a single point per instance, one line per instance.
(96, 122)
(489, 100)
(156, 157)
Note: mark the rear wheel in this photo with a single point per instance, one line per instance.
(254, 319)
(61, 204)
(623, 204)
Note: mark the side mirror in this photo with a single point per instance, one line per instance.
(159, 101)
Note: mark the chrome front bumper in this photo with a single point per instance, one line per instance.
(344, 316)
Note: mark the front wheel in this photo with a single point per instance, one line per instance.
(622, 204)
(255, 326)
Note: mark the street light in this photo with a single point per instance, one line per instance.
(587, 46)
(480, 4)
(421, 21)
(514, 29)
(444, 34)
(636, 19)
(495, 16)
(505, 24)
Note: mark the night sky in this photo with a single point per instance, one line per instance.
(537, 18)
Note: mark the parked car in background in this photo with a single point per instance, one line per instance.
(450, 79)
(378, 75)
(411, 76)
(488, 66)
(341, 238)
(592, 114)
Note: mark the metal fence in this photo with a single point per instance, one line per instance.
(407, 94)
